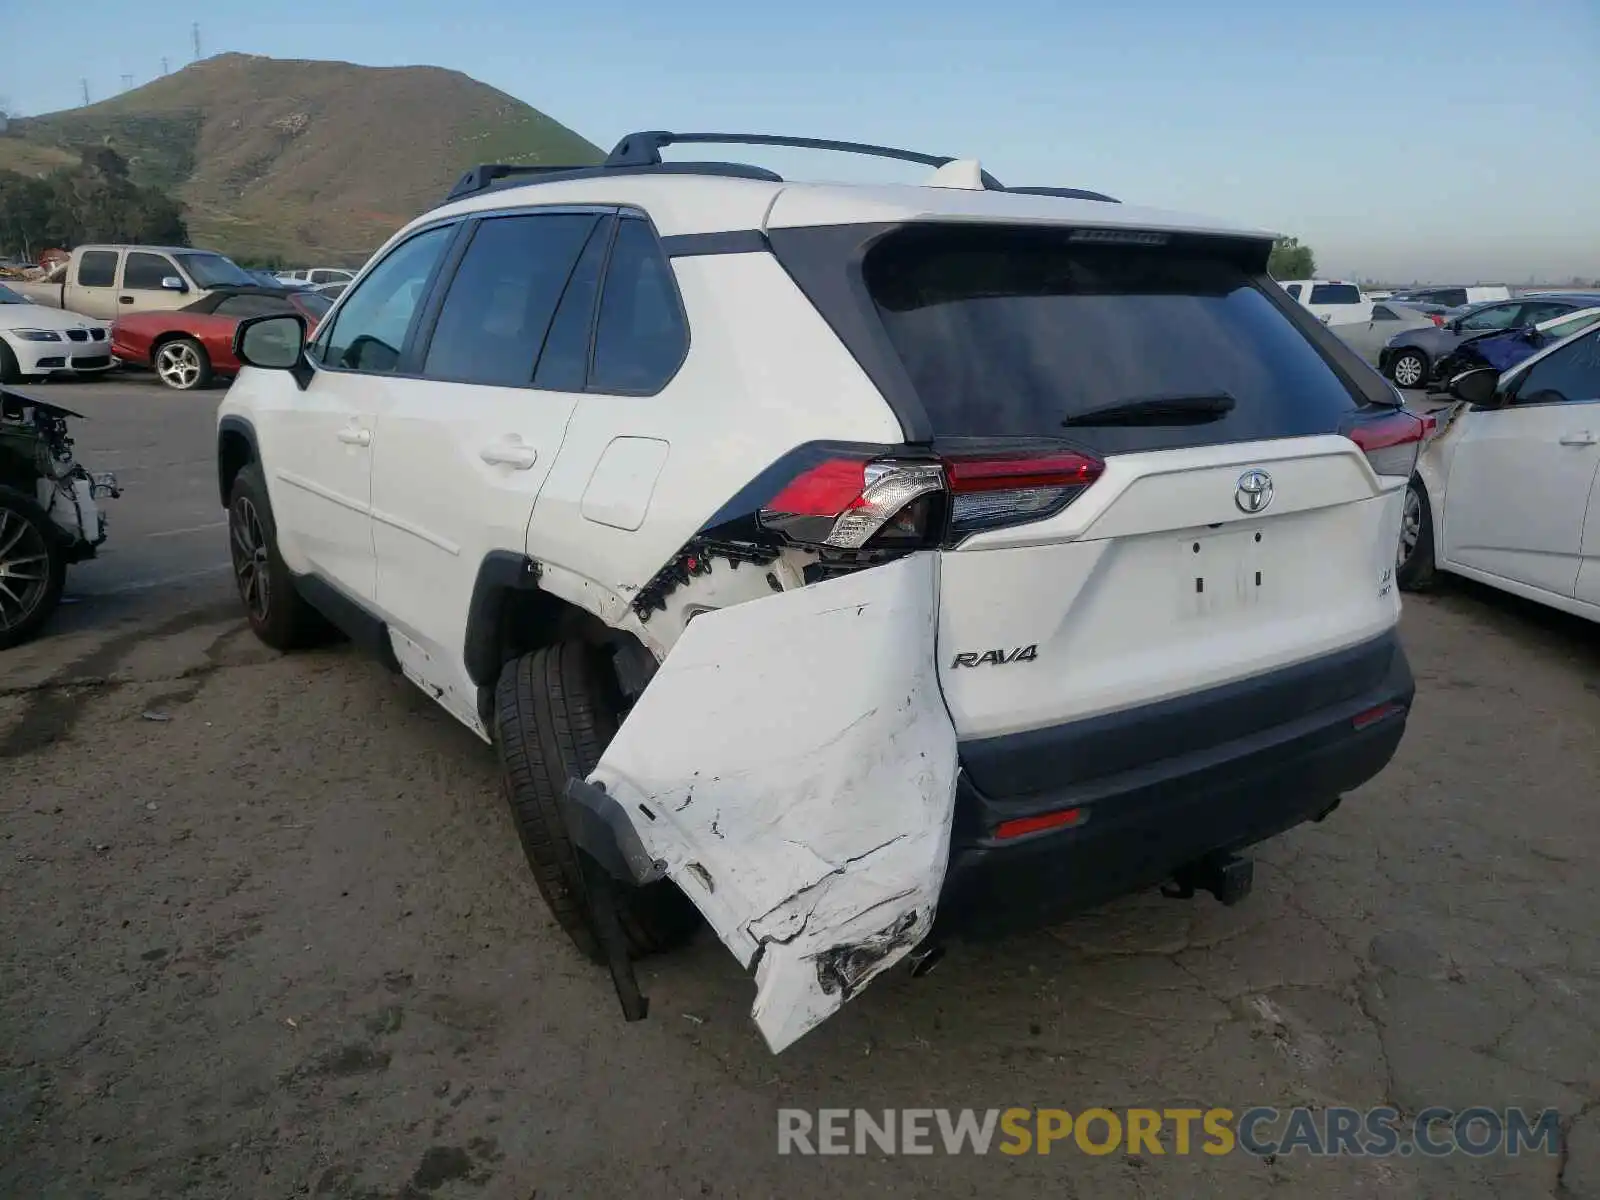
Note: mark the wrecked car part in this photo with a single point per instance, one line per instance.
(696, 558)
(57, 519)
(792, 769)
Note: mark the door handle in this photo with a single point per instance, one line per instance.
(1582, 438)
(124, 299)
(356, 437)
(509, 453)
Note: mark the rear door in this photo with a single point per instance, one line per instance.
(92, 288)
(1203, 521)
(465, 443)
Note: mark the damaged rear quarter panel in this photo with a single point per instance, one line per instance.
(793, 765)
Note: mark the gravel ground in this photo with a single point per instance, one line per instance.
(265, 931)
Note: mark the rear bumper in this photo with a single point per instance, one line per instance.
(1160, 787)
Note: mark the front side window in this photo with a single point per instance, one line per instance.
(641, 336)
(370, 330)
(1569, 375)
(144, 272)
(1294, 290)
(498, 310)
(98, 268)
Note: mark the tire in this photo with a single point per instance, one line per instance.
(1409, 365)
(1415, 568)
(182, 364)
(33, 568)
(10, 372)
(555, 713)
(278, 614)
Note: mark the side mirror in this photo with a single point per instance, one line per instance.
(172, 283)
(1477, 387)
(274, 342)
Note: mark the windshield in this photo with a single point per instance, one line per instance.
(1009, 333)
(7, 296)
(213, 271)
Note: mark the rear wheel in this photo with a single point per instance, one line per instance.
(1415, 567)
(183, 365)
(556, 710)
(1409, 369)
(33, 568)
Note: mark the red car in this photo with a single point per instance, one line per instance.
(186, 347)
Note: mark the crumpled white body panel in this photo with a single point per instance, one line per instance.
(793, 765)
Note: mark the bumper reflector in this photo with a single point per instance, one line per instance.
(1024, 825)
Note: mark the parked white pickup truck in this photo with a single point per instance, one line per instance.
(1331, 301)
(107, 281)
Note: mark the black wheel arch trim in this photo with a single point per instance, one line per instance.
(242, 427)
(366, 631)
(501, 573)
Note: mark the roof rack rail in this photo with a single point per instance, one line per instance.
(640, 153)
(644, 149)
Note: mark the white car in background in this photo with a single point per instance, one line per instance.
(1505, 491)
(35, 340)
(1331, 301)
(317, 276)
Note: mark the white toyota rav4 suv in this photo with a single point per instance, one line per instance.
(828, 559)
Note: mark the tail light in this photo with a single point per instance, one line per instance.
(1391, 442)
(850, 502)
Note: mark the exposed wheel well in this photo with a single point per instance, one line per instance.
(234, 452)
(512, 616)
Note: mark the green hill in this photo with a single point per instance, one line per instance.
(306, 161)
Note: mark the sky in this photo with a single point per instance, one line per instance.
(1457, 140)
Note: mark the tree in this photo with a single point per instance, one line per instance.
(1291, 260)
(91, 202)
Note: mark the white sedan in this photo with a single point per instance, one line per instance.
(35, 340)
(1506, 489)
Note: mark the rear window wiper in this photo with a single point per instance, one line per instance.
(1158, 410)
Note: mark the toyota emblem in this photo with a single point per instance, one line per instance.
(1254, 492)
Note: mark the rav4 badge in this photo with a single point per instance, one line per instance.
(996, 658)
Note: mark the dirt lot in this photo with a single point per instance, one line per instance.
(265, 931)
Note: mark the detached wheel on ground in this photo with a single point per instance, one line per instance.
(278, 614)
(1415, 569)
(33, 568)
(183, 364)
(1409, 369)
(556, 710)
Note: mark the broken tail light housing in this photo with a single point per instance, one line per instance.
(861, 502)
(1391, 441)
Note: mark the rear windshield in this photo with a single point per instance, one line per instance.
(1335, 293)
(1008, 333)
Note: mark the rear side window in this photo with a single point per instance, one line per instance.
(97, 268)
(501, 301)
(1382, 312)
(1335, 293)
(1009, 333)
(640, 337)
(564, 365)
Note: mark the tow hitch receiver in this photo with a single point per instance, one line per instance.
(1228, 877)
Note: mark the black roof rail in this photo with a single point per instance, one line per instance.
(644, 149)
(640, 153)
(1065, 193)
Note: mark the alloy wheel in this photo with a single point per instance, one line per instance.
(1410, 525)
(1408, 371)
(24, 568)
(248, 543)
(178, 365)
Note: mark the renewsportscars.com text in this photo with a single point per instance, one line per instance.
(1260, 1131)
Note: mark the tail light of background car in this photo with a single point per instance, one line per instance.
(850, 502)
(1390, 441)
